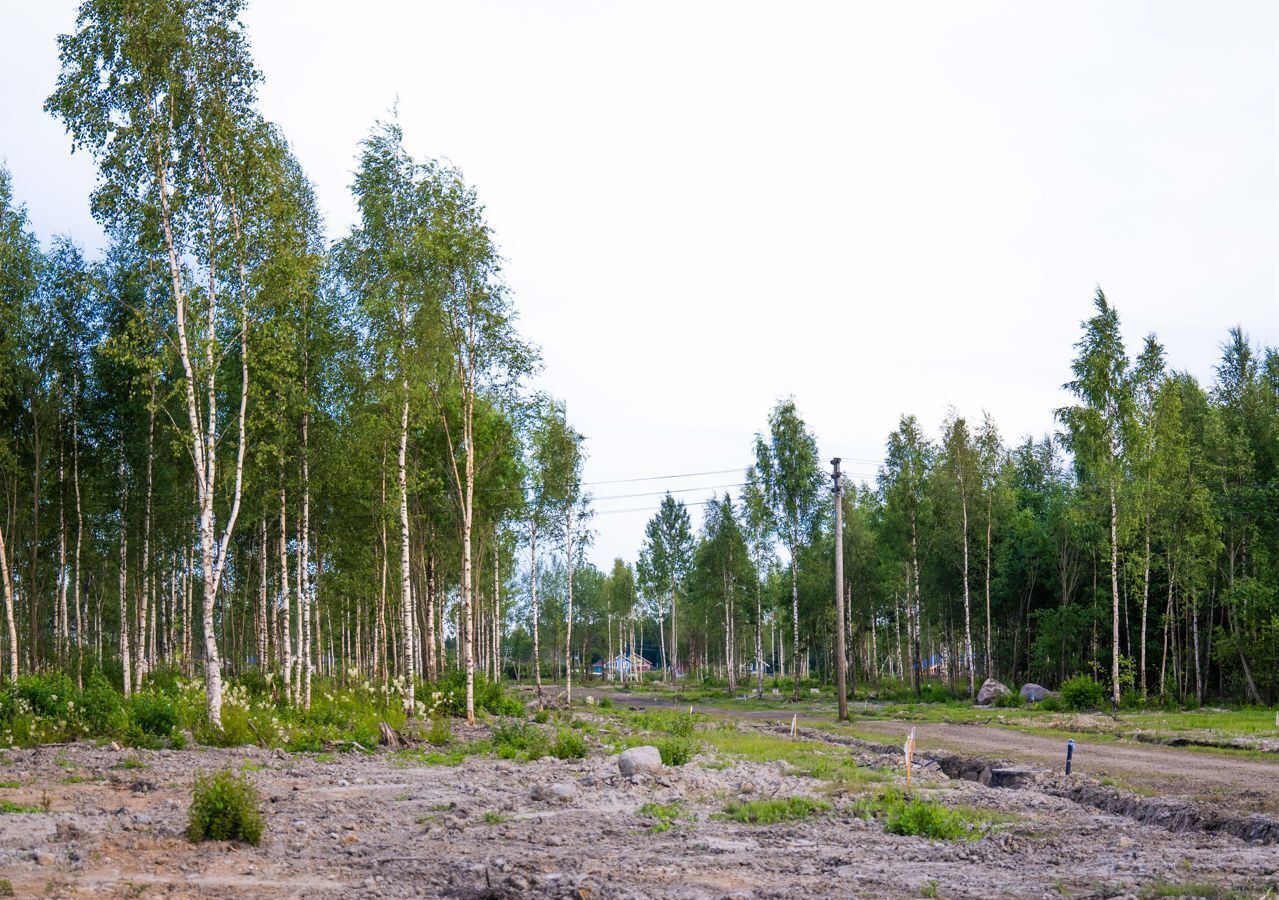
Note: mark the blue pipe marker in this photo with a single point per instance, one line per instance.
(1070, 751)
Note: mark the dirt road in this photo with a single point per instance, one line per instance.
(1249, 784)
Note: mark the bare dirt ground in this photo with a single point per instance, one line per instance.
(1247, 784)
(378, 825)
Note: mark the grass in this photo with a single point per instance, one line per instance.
(773, 811)
(225, 807)
(1187, 889)
(493, 818)
(130, 762)
(914, 816)
(10, 784)
(805, 757)
(7, 807)
(666, 815)
(451, 756)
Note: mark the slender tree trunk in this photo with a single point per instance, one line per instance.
(406, 598)
(126, 667)
(8, 607)
(286, 604)
(568, 633)
(990, 658)
(1145, 604)
(1114, 593)
(968, 624)
(794, 605)
(79, 538)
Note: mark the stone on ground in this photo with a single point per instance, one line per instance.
(645, 760)
(990, 691)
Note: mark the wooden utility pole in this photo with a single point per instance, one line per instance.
(841, 650)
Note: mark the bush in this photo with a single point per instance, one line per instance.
(676, 751)
(225, 807)
(1051, 703)
(519, 740)
(924, 818)
(1082, 692)
(770, 812)
(568, 745)
(1011, 700)
(101, 708)
(441, 731)
(606, 702)
(152, 718)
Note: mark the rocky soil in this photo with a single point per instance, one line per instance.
(381, 825)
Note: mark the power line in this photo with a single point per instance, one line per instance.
(704, 487)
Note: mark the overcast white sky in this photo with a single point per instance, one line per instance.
(878, 207)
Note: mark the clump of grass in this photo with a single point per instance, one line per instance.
(130, 762)
(493, 818)
(441, 732)
(677, 751)
(225, 807)
(541, 717)
(568, 745)
(917, 817)
(7, 807)
(10, 784)
(1185, 889)
(666, 815)
(520, 740)
(6, 888)
(606, 702)
(771, 812)
(805, 757)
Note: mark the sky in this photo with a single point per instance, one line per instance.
(878, 208)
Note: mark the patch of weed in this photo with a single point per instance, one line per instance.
(771, 812)
(225, 807)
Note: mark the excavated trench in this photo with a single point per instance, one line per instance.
(1171, 814)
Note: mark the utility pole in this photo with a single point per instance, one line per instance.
(841, 650)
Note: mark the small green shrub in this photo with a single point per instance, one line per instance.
(519, 740)
(7, 807)
(1082, 692)
(152, 718)
(1051, 703)
(1011, 700)
(676, 751)
(666, 814)
(606, 702)
(914, 816)
(100, 706)
(542, 716)
(568, 745)
(441, 731)
(225, 807)
(771, 812)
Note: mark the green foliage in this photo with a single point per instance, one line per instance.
(441, 731)
(606, 702)
(667, 815)
(520, 740)
(677, 751)
(915, 816)
(774, 811)
(1082, 693)
(568, 745)
(225, 807)
(1011, 700)
(7, 806)
(153, 718)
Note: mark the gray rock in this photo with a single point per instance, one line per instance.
(560, 792)
(645, 760)
(990, 691)
(1033, 693)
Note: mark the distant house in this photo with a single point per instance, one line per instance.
(625, 665)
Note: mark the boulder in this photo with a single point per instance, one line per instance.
(645, 760)
(561, 792)
(1033, 693)
(990, 691)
